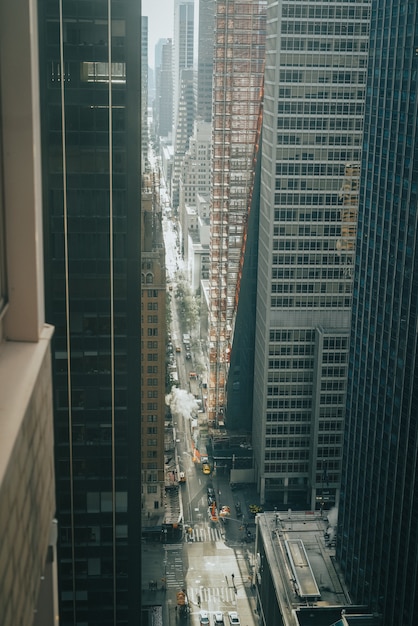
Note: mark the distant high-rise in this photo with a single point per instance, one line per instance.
(239, 40)
(183, 47)
(205, 60)
(164, 91)
(312, 131)
(144, 92)
(183, 130)
(90, 84)
(183, 95)
(377, 543)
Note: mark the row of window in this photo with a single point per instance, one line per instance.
(333, 92)
(328, 302)
(310, 259)
(320, 123)
(293, 335)
(298, 403)
(342, 28)
(286, 455)
(291, 348)
(324, 45)
(306, 244)
(321, 140)
(322, 11)
(310, 169)
(286, 468)
(295, 364)
(289, 377)
(276, 417)
(306, 273)
(298, 390)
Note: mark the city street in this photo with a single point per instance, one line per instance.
(213, 563)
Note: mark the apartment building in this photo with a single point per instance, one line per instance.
(153, 352)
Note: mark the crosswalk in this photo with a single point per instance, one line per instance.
(174, 567)
(221, 596)
(204, 533)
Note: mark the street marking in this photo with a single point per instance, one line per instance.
(225, 595)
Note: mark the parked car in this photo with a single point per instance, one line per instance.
(211, 496)
(233, 618)
(204, 618)
(218, 618)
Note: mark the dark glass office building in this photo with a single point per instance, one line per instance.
(377, 544)
(90, 99)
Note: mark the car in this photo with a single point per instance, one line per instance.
(233, 618)
(178, 349)
(218, 618)
(206, 468)
(182, 476)
(203, 618)
(188, 356)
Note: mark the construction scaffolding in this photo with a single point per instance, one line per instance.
(240, 28)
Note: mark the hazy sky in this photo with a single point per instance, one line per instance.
(160, 22)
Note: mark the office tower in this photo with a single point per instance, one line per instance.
(183, 130)
(377, 545)
(183, 47)
(238, 74)
(144, 92)
(312, 131)
(195, 178)
(205, 60)
(183, 97)
(164, 91)
(153, 351)
(91, 116)
(28, 566)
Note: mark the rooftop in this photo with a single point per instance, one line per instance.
(300, 550)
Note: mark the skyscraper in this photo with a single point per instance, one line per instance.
(239, 50)
(183, 47)
(28, 565)
(377, 544)
(312, 131)
(144, 92)
(91, 116)
(205, 60)
(164, 91)
(183, 95)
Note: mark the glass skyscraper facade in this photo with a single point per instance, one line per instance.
(91, 116)
(377, 544)
(316, 57)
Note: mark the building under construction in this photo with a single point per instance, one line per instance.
(239, 49)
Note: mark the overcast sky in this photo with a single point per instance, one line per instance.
(160, 22)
